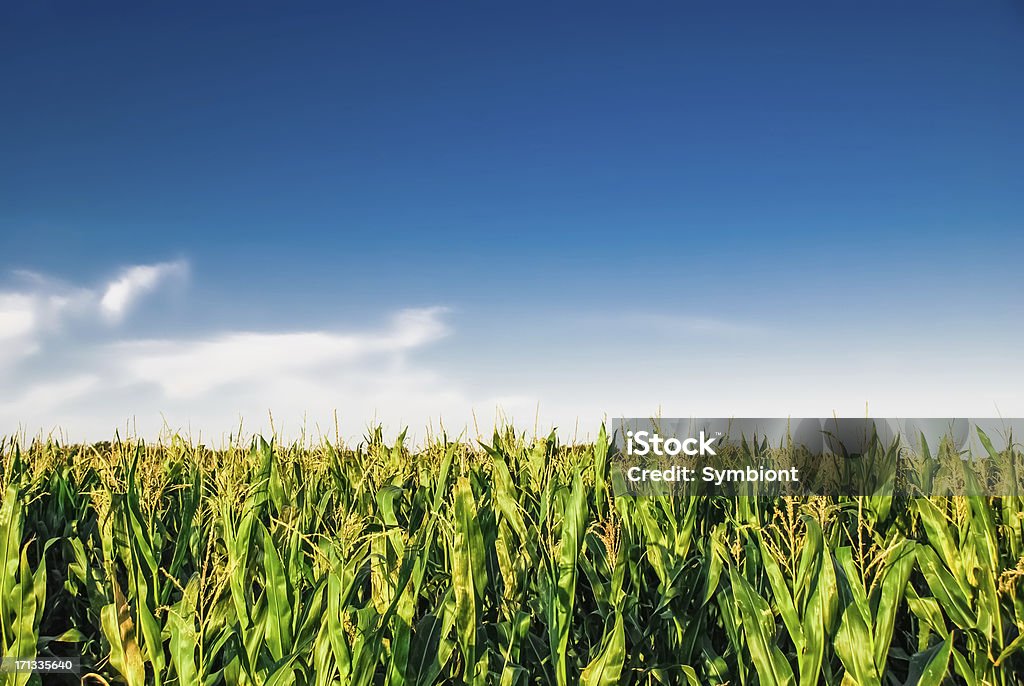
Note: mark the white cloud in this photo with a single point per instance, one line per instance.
(47, 396)
(135, 282)
(38, 307)
(17, 316)
(63, 371)
(27, 316)
(192, 367)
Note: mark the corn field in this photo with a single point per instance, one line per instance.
(509, 563)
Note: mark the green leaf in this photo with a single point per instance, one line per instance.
(758, 628)
(119, 629)
(278, 624)
(606, 668)
(930, 667)
(467, 567)
(945, 588)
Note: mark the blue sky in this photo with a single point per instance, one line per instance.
(794, 208)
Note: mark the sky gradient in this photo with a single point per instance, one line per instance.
(418, 211)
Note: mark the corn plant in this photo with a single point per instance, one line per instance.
(509, 561)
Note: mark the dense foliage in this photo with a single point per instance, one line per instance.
(508, 563)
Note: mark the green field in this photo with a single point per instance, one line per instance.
(509, 562)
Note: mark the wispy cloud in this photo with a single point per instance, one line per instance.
(35, 307)
(35, 304)
(192, 367)
(89, 384)
(133, 283)
(17, 316)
